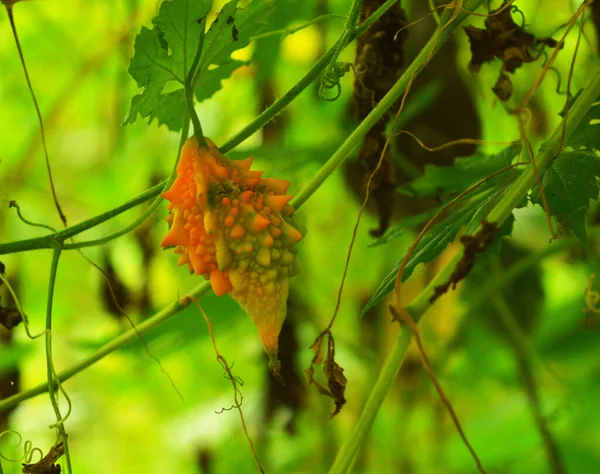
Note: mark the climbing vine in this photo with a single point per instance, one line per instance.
(242, 232)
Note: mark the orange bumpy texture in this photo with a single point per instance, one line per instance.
(233, 226)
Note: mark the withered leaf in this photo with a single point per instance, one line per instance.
(503, 87)
(336, 380)
(473, 244)
(46, 465)
(335, 377)
(502, 38)
(379, 62)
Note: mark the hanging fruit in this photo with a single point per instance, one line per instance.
(234, 227)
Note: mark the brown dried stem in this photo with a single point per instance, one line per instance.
(234, 381)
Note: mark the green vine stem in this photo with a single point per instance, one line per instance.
(548, 151)
(431, 48)
(51, 385)
(348, 32)
(189, 87)
(338, 157)
(118, 342)
(271, 112)
(416, 308)
(295, 29)
(47, 241)
(157, 200)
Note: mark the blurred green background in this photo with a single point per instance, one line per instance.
(510, 396)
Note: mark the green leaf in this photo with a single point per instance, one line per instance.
(233, 29)
(451, 180)
(587, 133)
(433, 243)
(569, 184)
(151, 64)
(170, 106)
(179, 21)
(209, 82)
(164, 54)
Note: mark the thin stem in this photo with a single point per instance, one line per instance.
(47, 241)
(120, 341)
(271, 112)
(189, 87)
(291, 31)
(434, 12)
(265, 117)
(26, 221)
(13, 295)
(431, 48)
(345, 39)
(140, 220)
(9, 11)
(421, 303)
(49, 361)
(376, 15)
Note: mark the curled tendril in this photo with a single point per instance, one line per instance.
(28, 449)
(236, 381)
(13, 204)
(516, 9)
(544, 53)
(331, 80)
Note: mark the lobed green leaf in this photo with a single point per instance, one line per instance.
(450, 180)
(587, 133)
(570, 183)
(164, 54)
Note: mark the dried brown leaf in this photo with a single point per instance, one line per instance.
(473, 245)
(503, 87)
(379, 61)
(336, 380)
(46, 465)
(502, 38)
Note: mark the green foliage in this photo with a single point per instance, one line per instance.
(587, 133)
(570, 183)
(448, 181)
(433, 243)
(163, 55)
(542, 286)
